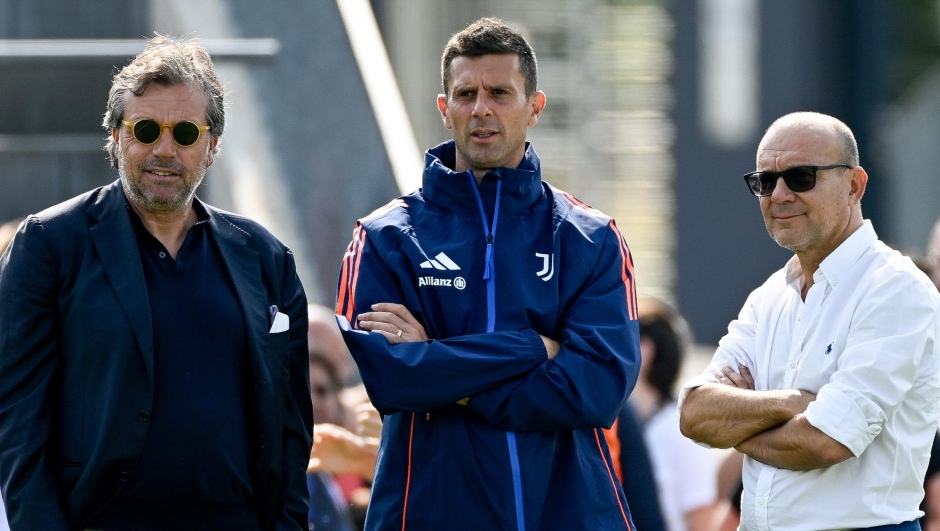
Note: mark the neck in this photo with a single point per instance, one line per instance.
(811, 258)
(169, 228)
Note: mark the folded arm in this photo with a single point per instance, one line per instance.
(411, 372)
(598, 361)
(774, 429)
(795, 445)
(723, 416)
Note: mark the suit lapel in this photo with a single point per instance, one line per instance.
(114, 239)
(244, 267)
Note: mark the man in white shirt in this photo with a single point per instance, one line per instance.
(828, 379)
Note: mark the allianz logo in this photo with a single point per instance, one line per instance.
(441, 262)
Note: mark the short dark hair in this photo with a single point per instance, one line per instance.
(670, 334)
(167, 61)
(490, 36)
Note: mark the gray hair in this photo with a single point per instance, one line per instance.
(168, 61)
(837, 127)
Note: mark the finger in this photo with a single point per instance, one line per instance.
(389, 330)
(392, 338)
(721, 378)
(735, 378)
(399, 311)
(405, 319)
(382, 317)
(746, 374)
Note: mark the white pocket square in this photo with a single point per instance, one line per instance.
(281, 323)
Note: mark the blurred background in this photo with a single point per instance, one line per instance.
(655, 109)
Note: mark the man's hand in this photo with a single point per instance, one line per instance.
(368, 421)
(393, 321)
(551, 346)
(741, 380)
(723, 414)
(339, 451)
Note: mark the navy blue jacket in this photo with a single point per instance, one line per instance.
(486, 270)
(76, 362)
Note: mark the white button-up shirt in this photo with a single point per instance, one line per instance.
(865, 341)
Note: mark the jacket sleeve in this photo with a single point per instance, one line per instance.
(298, 413)
(599, 361)
(420, 376)
(29, 356)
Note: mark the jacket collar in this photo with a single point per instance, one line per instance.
(452, 190)
(114, 239)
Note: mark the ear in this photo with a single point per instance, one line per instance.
(857, 184)
(442, 106)
(213, 142)
(114, 134)
(537, 103)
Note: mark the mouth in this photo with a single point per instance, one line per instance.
(483, 134)
(162, 173)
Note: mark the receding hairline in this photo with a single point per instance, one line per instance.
(837, 130)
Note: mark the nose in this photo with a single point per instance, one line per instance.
(164, 146)
(781, 192)
(480, 107)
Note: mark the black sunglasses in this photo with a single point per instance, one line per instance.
(798, 179)
(147, 131)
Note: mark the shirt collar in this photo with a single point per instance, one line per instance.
(838, 261)
(521, 186)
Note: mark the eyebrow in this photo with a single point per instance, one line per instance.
(474, 87)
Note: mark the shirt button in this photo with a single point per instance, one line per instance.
(162, 254)
(143, 415)
(760, 501)
(835, 282)
(124, 476)
(792, 364)
(799, 317)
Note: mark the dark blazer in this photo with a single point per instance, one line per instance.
(76, 362)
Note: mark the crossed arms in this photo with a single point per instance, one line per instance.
(769, 426)
(514, 377)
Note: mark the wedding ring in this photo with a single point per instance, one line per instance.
(399, 332)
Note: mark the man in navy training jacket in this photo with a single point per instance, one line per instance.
(493, 320)
(153, 349)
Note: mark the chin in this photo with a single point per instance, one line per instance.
(791, 244)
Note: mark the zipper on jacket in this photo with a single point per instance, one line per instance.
(489, 275)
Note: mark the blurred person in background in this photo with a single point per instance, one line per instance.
(685, 472)
(328, 506)
(493, 320)
(346, 436)
(931, 504)
(7, 231)
(828, 379)
(324, 337)
(630, 455)
(153, 349)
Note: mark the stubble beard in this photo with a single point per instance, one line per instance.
(144, 197)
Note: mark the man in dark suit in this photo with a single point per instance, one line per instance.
(153, 349)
